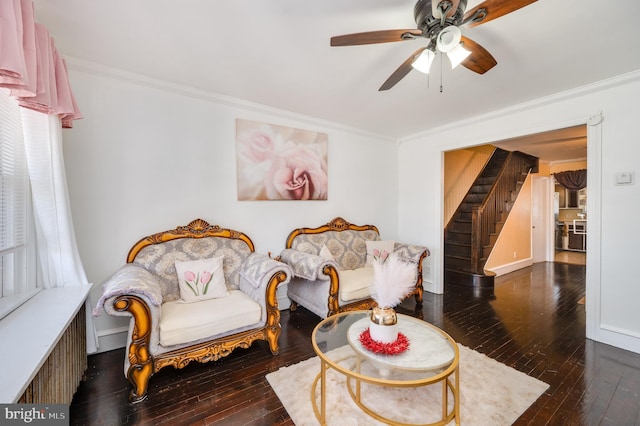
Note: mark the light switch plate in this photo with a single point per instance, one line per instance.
(624, 178)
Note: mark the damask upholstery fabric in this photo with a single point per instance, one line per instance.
(135, 279)
(306, 265)
(325, 253)
(410, 252)
(258, 266)
(347, 247)
(184, 323)
(160, 260)
(310, 294)
(310, 288)
(127, 280)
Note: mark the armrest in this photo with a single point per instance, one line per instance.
(410, 252)
(134, 292)
(129, 280)
(260, 277)
(258, 269)
(305, 265)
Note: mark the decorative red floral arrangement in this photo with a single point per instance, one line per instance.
(394, 348)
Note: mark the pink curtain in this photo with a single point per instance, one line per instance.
(30, 65)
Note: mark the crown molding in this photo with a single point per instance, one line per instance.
(88, 67)
(545, 100)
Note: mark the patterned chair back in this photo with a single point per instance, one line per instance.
(345, 241)
(158, 253)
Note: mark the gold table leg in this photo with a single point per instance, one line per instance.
(445, 398)
(323, 393)
(321, 414)
(456, 394)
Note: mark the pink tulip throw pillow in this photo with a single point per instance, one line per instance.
(201, 279)
(378, 251)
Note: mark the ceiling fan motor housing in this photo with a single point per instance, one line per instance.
(431, 26)
(439, 22)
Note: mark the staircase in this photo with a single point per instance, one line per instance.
(473, 229)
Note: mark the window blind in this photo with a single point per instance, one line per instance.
(13, 175)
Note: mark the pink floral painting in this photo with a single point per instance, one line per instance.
(280, 163)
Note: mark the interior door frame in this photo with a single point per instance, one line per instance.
(542, 229)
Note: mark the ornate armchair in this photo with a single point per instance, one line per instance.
(331, 269)
(223, 297)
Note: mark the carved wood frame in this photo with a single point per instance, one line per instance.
(333, 302)
(144, 364)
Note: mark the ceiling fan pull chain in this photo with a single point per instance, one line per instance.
(441, 55)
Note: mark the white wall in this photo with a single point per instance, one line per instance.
(614, 230)
(149, 156)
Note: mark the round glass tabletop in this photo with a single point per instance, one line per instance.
(431, 351)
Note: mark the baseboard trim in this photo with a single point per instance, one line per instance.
(511, 267)
(113, 338)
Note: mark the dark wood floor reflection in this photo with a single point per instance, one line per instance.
(533, 321)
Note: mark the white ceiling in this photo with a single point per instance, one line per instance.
(554, 146)
(277, 53)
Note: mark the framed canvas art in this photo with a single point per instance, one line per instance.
(280, 163)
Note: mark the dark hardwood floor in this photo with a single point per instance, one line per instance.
(533, 321)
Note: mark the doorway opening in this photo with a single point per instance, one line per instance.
(559, 151)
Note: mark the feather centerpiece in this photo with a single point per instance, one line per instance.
(393, 279)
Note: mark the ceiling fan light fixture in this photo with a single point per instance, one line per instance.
(457, 55)
(423, 61)
(449, 38)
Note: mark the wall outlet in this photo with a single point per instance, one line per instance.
(515, 255)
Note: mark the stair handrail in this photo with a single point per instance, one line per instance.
(485, 215)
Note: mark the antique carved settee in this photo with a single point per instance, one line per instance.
(332, 266)
(225, 299)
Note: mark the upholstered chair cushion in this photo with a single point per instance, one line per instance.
(183, 323)
(355, 284)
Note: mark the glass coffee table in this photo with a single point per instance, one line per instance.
(431, 359)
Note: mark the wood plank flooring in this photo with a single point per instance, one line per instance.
(532, 321)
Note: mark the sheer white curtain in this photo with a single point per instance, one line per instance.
(57, 249)
(36, 75)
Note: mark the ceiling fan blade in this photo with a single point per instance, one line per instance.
(435, 9)
(372, 37)
(495, 9)
(480, 60)
(402, 71)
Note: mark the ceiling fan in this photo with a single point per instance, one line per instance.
(439, 22)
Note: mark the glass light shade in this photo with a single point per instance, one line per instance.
(423, 62)
(457, 55)
(449, 38)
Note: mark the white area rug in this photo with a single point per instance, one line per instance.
(491, 394)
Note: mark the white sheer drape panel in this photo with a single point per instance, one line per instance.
(57, 249)
(36, 75)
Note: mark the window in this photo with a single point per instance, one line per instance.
(17, 246)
